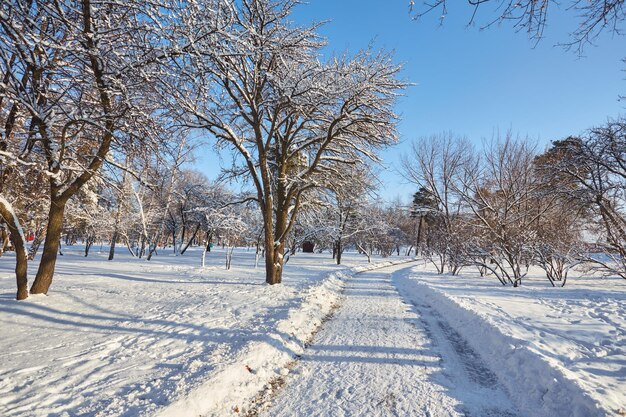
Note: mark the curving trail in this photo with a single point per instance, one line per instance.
(382, 356)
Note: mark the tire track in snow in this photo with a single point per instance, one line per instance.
(379, 356)
(467, 375)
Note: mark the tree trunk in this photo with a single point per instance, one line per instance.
(43, 279)
(419, 236)
(151, 250)
(21, 257)
(142, 250)
(229, 256)
(88, 244)
(182, 238)
(339, 251)
(275, 249)
(174, 240)
(21, 266)
(112, 247)
(274, 265)
(207, 246)
(5, 241)
(34, 247)
(193, 237)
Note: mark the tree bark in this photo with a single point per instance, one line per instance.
(274, 264)
(21, 266)
(43, 279)
(273, 253)
(174, 240)
(207, 246)
(21, 257)
(339, 251)
(5, 241)
(275, 240)
(112, 247)
(193, 237)
(88, 243)
(34, 247)
(419, 236)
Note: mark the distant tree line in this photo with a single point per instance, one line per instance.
(505, 207)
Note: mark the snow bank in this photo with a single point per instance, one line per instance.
(233, 387)
(536, 378)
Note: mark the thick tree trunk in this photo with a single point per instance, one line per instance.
(274, 249)
(21, 257)
(273, 256)
(274, 265)
(43, 279)
(118, 215)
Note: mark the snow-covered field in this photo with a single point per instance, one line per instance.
(131, 337)
(169, 338)
(559, 351)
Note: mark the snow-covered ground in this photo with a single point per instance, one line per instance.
(558, 351)
(382, 356)
(131, 337)
(169, 338)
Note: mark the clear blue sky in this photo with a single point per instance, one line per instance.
(473, 82)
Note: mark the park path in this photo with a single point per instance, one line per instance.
(382, 355)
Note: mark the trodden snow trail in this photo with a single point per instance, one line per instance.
(379, 356)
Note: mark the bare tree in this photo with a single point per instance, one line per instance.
(292, 121)
(75, 73)
(434, 164)
(593, 16)
(592, 173)
(335, 218)
(501, 191)
(374, 231)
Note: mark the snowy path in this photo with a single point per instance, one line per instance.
(380, 356)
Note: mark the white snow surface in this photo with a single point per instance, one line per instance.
(166, 337)
(558, 351)
(382, 356)
(170, 338)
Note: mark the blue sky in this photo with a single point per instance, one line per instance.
(474, 82)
